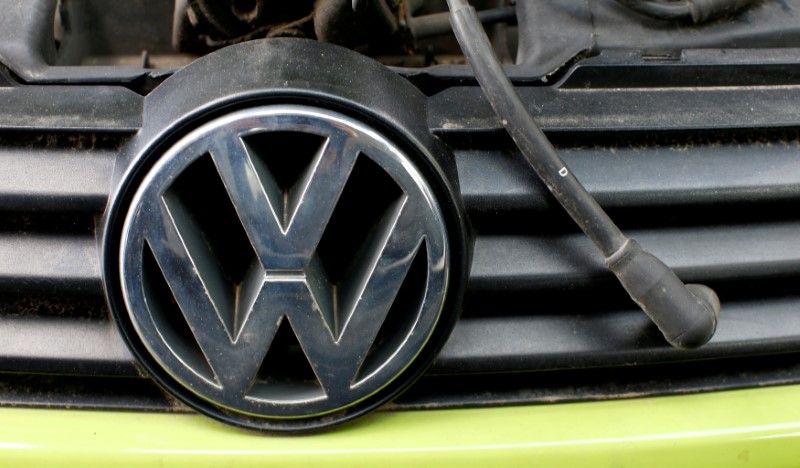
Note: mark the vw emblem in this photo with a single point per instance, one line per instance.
(283, 263)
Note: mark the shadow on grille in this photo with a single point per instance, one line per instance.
(286, 372)
(397, 326)
(203, 197)
(285, 158)
(68, 306)
(169, 318)
(365, 200)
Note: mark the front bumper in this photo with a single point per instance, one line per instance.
(754, 427)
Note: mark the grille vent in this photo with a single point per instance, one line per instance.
(541, 315)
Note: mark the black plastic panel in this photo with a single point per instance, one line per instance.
(539, 296)
(528, 338)
(552, 32)
(697, 254)
(62, 179)
(600, 384)
(73, 108)
(63, 346)
(642, 174)
(552, 338)
(84, 392)
(49, 262)
(28, 48)
(707, 177)
(464, 109)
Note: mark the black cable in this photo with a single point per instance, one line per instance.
(660, 10)
(532, 142)
(686, 315)
(698, 10)
(438, 24)
(380, 11)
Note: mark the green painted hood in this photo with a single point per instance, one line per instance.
(758, 427)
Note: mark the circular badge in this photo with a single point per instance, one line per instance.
(283, 263)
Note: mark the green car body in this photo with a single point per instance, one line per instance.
(756, 426)
(753, 427)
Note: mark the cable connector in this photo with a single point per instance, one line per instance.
(686, 314)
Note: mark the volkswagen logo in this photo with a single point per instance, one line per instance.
(283, 263)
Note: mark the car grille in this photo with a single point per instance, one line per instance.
(707, 179)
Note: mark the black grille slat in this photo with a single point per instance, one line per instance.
(553, 339)
(63, 346)
(464, 109)
(54, 180)
(49, 262)
(483, 344)
(696, 254)
(641, 176)
(70, 108)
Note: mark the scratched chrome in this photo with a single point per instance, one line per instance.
(234, 327)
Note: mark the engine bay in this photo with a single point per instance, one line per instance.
(540, 37)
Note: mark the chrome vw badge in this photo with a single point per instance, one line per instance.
(284, 262)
